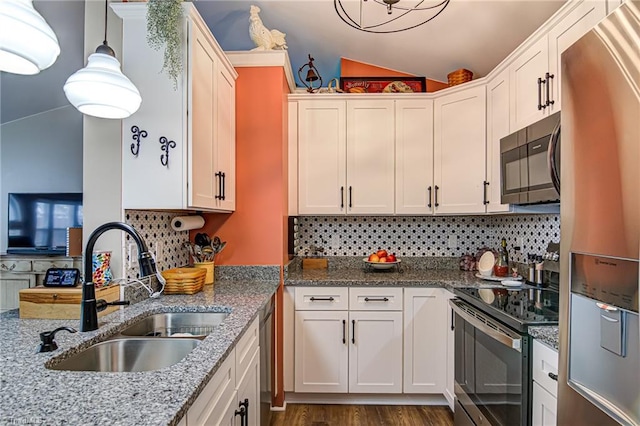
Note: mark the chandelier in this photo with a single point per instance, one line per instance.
(388, 16)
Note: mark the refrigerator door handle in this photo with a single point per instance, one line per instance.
(551, 157)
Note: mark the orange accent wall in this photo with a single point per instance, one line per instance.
(351, 68)
(256, 232)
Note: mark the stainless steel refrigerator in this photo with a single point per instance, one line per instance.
(599, 365)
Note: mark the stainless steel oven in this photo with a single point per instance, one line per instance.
(530, 163)
(492, 361)
(491, 370)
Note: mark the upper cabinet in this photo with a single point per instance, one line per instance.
(346, 156)
(459, 131)
(535, 73)
(179, 148)
(498, 113)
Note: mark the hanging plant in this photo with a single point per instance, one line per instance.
(163, 31)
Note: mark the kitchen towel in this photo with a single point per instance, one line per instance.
(187, 223)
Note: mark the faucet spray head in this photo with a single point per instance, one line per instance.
(147, 264)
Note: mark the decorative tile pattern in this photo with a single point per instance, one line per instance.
(427, 236)
(156, 227)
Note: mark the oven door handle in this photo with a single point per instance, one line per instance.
(510, 340)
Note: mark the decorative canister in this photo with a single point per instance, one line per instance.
(209, 278)
(101, 261)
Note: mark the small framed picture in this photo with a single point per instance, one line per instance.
(383, 84)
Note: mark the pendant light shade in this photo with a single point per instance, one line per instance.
(27, 43)
(100, 89)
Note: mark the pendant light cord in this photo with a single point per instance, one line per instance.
(105, 21)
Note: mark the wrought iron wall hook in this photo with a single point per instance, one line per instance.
(137, 134)
(166, 146)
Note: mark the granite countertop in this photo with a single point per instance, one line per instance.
(361, 276)
(33, 394)
(546, 334)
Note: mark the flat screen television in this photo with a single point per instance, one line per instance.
(38, 222)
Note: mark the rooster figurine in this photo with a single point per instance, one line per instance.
(261, 36)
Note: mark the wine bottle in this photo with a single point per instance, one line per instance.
(501, 267)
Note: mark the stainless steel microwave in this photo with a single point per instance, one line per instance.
(530, 163)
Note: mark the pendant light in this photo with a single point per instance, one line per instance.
(100, 89)
(27, 43)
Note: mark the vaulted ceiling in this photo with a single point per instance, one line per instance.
(472, 34)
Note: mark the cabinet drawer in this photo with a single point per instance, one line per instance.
(12, 265)
(375, 299)
(322, 298)
(246, 347)
(41, 266)
(545, 362)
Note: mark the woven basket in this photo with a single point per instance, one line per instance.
(459, 76)
(184, 280)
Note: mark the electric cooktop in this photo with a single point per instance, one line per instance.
(518, 308)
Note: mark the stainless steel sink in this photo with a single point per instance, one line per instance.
(177, 324)
(128, 355)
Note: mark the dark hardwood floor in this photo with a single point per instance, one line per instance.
(362, 415)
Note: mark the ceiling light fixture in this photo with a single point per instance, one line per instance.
(27, 43)
(100, 89)
(368, 16)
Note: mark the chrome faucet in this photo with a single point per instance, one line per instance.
(89, 306)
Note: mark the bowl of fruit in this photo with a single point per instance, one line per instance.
(381, 259)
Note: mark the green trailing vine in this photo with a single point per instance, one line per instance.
(163, 31)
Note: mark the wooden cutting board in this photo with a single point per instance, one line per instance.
(61, 303)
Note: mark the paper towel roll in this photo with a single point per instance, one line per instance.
(187, 223)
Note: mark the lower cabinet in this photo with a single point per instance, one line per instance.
(370, 340)
(425, 340)
(545, 385)
(232, 396)
(358, 350)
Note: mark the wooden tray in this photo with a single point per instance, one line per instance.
(61, 302)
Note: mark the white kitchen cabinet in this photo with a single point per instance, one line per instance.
(321, 351)
(186, 156)
(425, 340)
(535, 73)
(235, 385)
(449, 391)
(545, 385)
(355, 351)
(370, 157)
(346, 162)
(498, 111)
(10, 286)
(414, 156)
(613, 4)
(322, 152)
(459, 151)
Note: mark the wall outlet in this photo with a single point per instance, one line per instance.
(335, 241)
(159, 248)
(453, 241)
(132, 255)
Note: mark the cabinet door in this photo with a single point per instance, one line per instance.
(526, 93)
(321, 352)
(375, 352)
(146, 183)
(449, 391)
(322, 157)
(202, 179)
(544, 409)
(425, 340)
(10, 286)
(573, 26)
(213, 402)
(248, 390)
(225, 139)
(414, 156)
(370, 157)
(459, 151)
(497, 128)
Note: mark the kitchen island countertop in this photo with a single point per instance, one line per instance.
(33, 394)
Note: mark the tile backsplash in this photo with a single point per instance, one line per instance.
(439, 236)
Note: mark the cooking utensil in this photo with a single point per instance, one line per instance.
(202, 239)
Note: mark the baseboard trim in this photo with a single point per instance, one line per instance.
(283, 408)
(365, 399)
